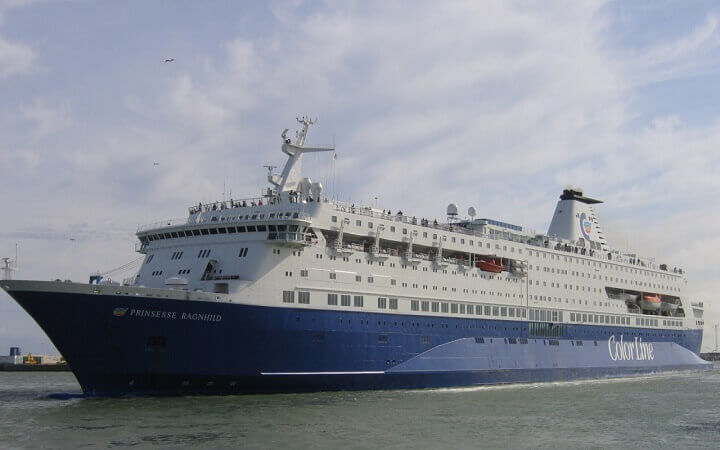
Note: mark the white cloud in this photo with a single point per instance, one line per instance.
(695, 52)
(46, 120)
(15, 58)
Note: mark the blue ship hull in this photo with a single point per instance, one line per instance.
(130, 345)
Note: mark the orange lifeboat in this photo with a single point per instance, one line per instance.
(651, 302)
(492, 265)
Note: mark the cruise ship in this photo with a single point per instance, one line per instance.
(291, 292)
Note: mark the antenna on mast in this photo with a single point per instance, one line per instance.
(291, 175)
(9, 265)
(270, 168)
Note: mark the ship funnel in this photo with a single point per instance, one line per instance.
(575, 220)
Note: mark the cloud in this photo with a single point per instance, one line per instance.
(15, 58)
(46, 120)
(694, 53)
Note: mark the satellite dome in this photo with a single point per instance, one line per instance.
(304, 185)
(316, 188)
(472, 212)
(452, 209)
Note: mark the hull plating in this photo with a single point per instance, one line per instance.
(119, 345)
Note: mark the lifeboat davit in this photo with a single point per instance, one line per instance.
(651, 302)
(630, 299)
(668, 308)
(492, 265)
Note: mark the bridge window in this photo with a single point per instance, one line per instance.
(288, 297)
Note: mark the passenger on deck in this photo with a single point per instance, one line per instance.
(260, 202)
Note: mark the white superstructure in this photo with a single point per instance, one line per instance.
(293, 247)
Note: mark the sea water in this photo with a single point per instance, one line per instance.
(677, 410)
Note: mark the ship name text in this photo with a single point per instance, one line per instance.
(174, 315)
(636, 350)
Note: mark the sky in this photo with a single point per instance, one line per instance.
(498, 105)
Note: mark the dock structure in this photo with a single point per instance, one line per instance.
(17, 362)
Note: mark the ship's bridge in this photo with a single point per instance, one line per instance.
(285, 223)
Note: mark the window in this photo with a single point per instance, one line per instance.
(333, 275)
(358, 278)
(393, 303)
(414, 305)
(243, 252)
(445, 307)
(288, 297)
(454, 308)
(332, 299)
(435, 306)
(304, 298)
(358, 301)
(425, 305)
(382, 303)
(344, 300)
